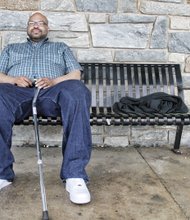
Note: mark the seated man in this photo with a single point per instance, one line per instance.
(62, 94)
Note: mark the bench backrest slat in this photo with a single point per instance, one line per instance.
(157, 78)
(122, 80)
(100, 75)
(115, 84)
(150, 79)
(171, 80)
(164, 79)
(108, 87)
(136, 81)
(93, 88)
(179, 81)
(143, 79)
(129, 79)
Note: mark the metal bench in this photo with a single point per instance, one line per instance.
(109, 82)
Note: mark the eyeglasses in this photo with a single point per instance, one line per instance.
(39, 23)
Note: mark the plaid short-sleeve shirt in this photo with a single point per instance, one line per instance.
(37, 60)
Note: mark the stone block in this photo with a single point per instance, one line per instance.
(180, 23)
(14, 37)
(120, 35)
(117, 131)
(159, 36)
(187, 96)
(14, 20)
(97, 140)
(186, 82)
(187, 64)
(179, 42)
(95, 55)
(97, 18)
(116, 141)
(176, 58)
(141, 56)
(162, 8)
(72, 39)
(129, 6)
(66, 21)
(23, 135)
(148, 136)
(97, 5)
(97, 130)
(20, 5)
(172, 1)
(131, 18)
(147, 132)
(58, 5)
(49, 135)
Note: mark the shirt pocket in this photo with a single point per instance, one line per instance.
(18, 58)
(54, 58)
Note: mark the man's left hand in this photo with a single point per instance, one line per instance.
(44, 83)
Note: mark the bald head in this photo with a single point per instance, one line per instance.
(39, 14)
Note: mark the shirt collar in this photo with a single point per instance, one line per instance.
(37, 43)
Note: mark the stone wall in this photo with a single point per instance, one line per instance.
(112, 31)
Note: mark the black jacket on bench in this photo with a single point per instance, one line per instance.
(159, 102)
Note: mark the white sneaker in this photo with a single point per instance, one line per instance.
(4, 183)
(78, 190)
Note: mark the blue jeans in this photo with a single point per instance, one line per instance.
(69, 99)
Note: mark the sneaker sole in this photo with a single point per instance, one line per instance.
(78, 201)
(5, 185)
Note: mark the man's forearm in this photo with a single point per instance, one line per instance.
(6, 79)
(72, 75)
(20, 81)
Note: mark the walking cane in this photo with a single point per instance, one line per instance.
(39, 156)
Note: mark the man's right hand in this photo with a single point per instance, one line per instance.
(22, 81)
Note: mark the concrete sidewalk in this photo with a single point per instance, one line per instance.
(125, 184)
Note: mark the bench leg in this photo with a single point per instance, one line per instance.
(179, 131)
